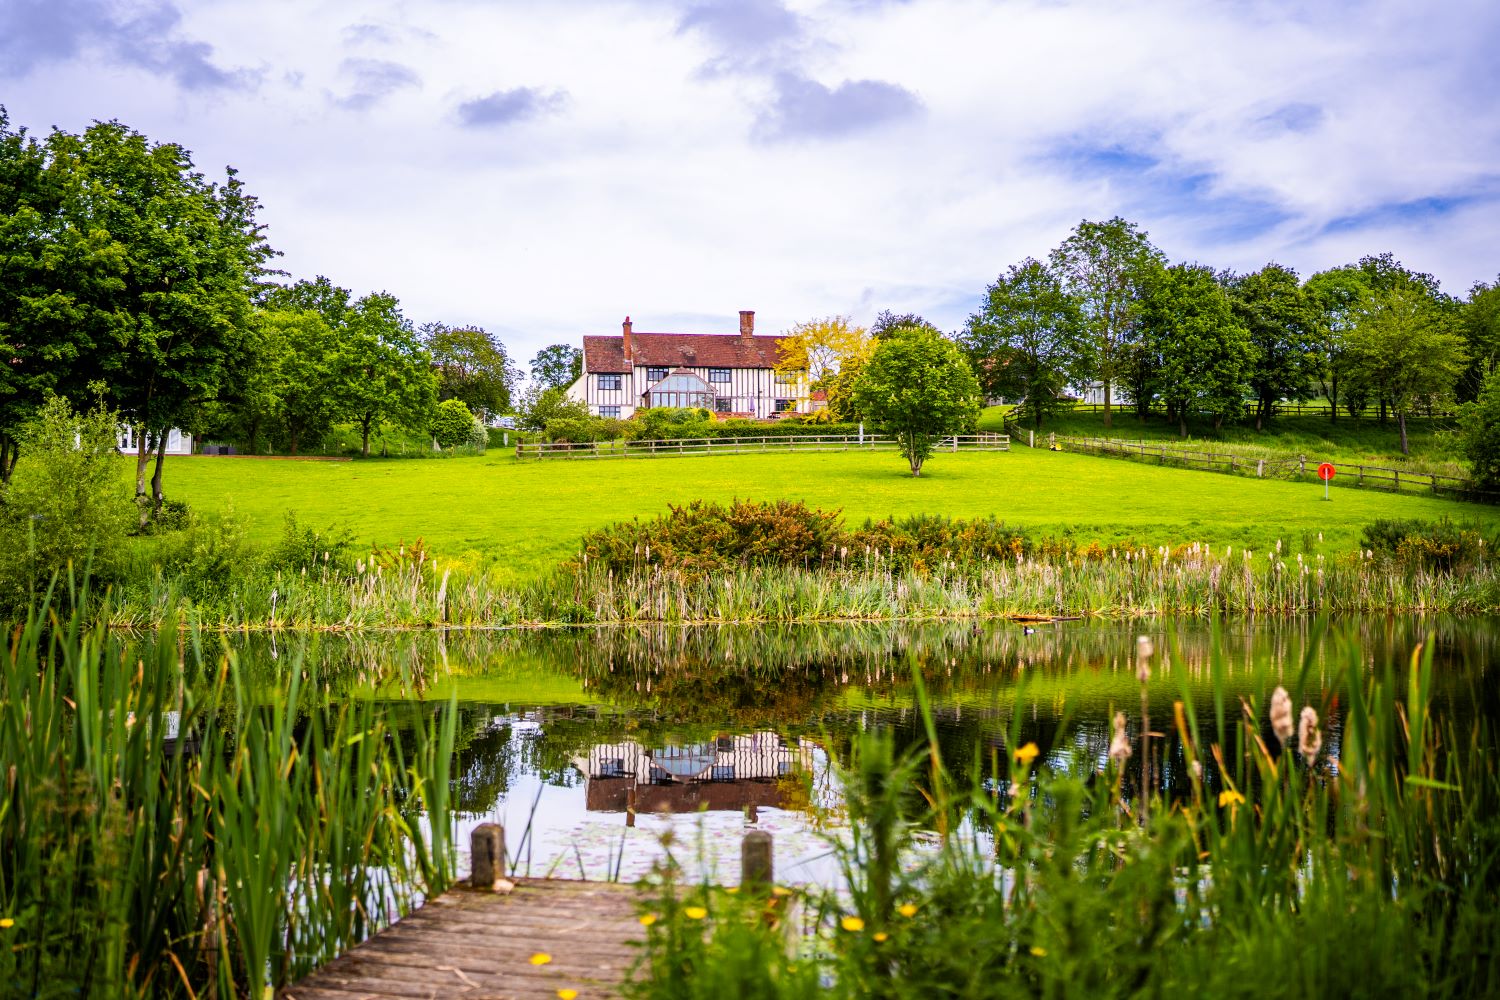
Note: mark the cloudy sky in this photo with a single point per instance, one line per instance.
(544, 167)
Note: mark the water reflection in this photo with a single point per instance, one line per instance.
(567, 736)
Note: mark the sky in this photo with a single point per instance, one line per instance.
(544, 169)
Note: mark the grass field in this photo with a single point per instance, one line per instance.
(1435, 444)
(525, 516)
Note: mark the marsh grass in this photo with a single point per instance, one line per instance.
(1370, 868)
(170, 828)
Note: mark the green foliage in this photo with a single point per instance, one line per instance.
(541, 405)
(452, 423)
(1481, 435)
(1481, 330)
(1201, 355)
(583, 429)
(173, 829)
(1283, 325)
(557, 366)
(479, 435)
(1441, 546)
(1027, 340)
(472, 366)
(302, 547)
(382, 373)
(68, 508)
(918, 388)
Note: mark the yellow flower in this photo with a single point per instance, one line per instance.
(695, 912)
(1230, 797)
(781, 890)
(907, 909)
(1027, 753)
(648, 920)
(6, 922)
(732, 889)
(852, 924)
(1039, 951)
(567, 994)
(882, 936)
(540, 958)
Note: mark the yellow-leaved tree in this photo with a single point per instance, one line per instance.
(828, 353)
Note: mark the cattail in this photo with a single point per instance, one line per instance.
(1119, 747)
(1143, 650)
(1309, 737)
(1281, 715)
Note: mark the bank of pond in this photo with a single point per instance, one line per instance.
(959, 808)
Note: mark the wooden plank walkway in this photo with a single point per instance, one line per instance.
(478, 945)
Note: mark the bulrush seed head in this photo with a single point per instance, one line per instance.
(1309, 737)
(1119, 746)
(1281, 715)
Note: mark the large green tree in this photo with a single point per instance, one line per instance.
(303, 355)
(1027, 340)
(472, 367)
(382, 374)
(1481, 329)
(1273, 306)
(888, 324)
(1335, 296)
(918, 388)
(1406, 348)
(557, 366)
(1203, 352)
(1103, 265)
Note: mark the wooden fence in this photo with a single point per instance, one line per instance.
(1286, 467)
(1277, 410)
(747, 445)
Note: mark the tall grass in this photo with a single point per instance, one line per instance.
(1361, 857)
(170, 829)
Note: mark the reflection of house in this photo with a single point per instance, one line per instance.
(178, 443)
(731, 772)
(731, 375)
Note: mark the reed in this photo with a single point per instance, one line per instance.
(170, 828)
(1368, 863)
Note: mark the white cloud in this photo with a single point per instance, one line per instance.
(1235, 133)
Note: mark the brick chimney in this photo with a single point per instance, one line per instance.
(747, 323)
(625, 329)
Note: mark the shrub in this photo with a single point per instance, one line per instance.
(1433, 545)
(68, 503)
(541, 406)
(479, 436)
(452, 423)
(1481, 435)
(302, 548)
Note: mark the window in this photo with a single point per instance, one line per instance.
(609, 381)
(721, 772)
(723, 405)
(656, 374)
(718, 374)
(788, 378)
(609, 411)
(681, 390)
(783, 405)
(612, 767)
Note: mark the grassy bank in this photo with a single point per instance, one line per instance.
(1351, 850)
(169, 829)
(522, 518)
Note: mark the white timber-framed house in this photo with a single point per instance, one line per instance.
(730, 375)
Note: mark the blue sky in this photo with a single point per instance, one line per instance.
(545, 168)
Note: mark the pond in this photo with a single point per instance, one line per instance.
(592, 747)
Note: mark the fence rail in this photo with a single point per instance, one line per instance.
(746, 445)
(1288, 467)
(1278, 409)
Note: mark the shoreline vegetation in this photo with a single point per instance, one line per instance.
(781, 561)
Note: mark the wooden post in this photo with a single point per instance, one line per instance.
(1301, 466)
(1396, 477)
(1260, 468)
(756, 871)
(487, 855)
(630, 806)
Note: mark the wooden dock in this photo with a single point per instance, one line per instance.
(480, 945)
(540, 938)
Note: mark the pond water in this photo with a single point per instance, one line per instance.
(591, 745)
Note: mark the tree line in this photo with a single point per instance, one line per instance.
(1107, 310)
(131, 281)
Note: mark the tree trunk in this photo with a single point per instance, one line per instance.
(1108, 417)
(295, 434)
(364, 430)
(10, 450)
(1401, 420)
(142, 456)
(161, 458)
(1333, 402)
(1182, 422)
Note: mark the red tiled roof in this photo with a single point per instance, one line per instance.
(680, 350)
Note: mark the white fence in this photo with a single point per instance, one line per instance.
(748, 445)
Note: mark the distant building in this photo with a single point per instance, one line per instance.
(730, 772)
(727, 374)
(178, 443)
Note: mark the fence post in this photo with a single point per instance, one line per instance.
(1260, 469)
(1434, 484)
(487, 855)
(1301, 466)
(756, 871)
(1031, 438)
(1396, 476)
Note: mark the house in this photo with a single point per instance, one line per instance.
(178, 443)
(732, 375)
(730, 772)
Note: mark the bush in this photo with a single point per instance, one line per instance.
(452, 423)
(479, 436)
(303, 548)
(68, 503)
(1481, 435)
(1433, 545)
(540, 407)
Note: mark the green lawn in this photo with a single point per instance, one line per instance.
(1435, 445)
(525, 516)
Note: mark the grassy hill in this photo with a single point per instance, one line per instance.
(525, 516)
